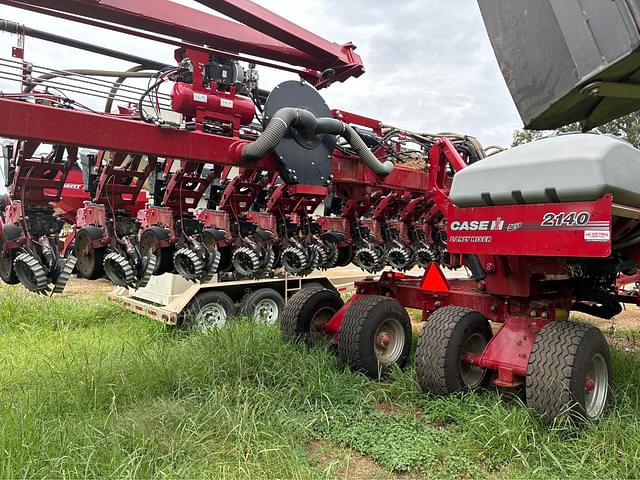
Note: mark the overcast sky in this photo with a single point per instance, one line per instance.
(429, 64)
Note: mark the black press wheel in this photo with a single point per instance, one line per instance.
(375, 335)
(306, 313)
(263, 305)
(149, 244)
(90, 260)
(449, 334)
(208, 310)
(345, 255)
(7, 258)
(569, 372)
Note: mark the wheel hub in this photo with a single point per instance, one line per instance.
(211, 316)
(266, 311)
(596, 386)
(389, 341)
(317, 333)
(471, 374)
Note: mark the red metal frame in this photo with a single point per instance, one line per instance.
(264, 34)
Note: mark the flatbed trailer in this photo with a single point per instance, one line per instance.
(173, 301)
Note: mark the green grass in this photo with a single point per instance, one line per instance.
(89, 390)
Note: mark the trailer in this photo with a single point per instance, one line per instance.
(172, 300)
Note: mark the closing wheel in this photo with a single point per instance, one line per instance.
(263, 305)
(90, 260)
(345, 255)
(569, 372)
(7, 270)
(149, 241)
(208, 310)
(306, 313)
(375, 335)
(449, 334)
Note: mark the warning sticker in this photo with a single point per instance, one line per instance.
(597, 235)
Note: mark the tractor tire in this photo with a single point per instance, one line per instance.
(449, 333)
(164, 256)
(263, 305)
(208, 310)
(569, 372)
(306, 313)
(7, 270)
(375, 335)
(89, 264)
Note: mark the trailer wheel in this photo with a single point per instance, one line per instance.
(7, 270)
(90, 260)
(448, 334)
(208, 310)
(149, 244)
(569, 372)
(375, 335)
(263, 305)
(306, 313)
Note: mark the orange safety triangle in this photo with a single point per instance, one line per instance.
(434, 280)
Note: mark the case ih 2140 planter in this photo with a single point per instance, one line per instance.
(544, 229)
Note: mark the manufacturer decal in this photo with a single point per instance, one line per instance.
(477, 225)
(597, 235)
(470, 239)
(565, 219)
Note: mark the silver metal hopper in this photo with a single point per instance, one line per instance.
(567, 60)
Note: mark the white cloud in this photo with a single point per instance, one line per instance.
(429, 62)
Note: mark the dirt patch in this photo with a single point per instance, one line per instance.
(628, 319)
(78, 287)
(388, 409)
(349, 463)
(438, 425)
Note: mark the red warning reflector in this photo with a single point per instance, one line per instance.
(434, 280)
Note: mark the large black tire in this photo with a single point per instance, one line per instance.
(263, 305)
(305, 314)
(7, 271)
(375, 335)
(448, 334)
(208, 310)
(149, 244)
(564, 358)
(90, 261)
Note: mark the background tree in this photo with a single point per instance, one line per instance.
(627, 127)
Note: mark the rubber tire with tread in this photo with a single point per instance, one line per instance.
(557, 369)
(439, 349)
(8, 272)
(357, 334)
(295, 321)
(164, 255)
(206, 298)
(249, 303)
(97, 270)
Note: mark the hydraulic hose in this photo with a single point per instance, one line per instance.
(306, 122)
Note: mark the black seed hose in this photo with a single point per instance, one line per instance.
(288, 117)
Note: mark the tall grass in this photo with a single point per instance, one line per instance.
(88, 390)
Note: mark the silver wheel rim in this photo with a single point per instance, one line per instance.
(389, 341)
(317, 333)
(472, 375)
(596, 387)
(212, 315)
(266, 311)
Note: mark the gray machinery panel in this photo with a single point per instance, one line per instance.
(564, 168)
(548, 50)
